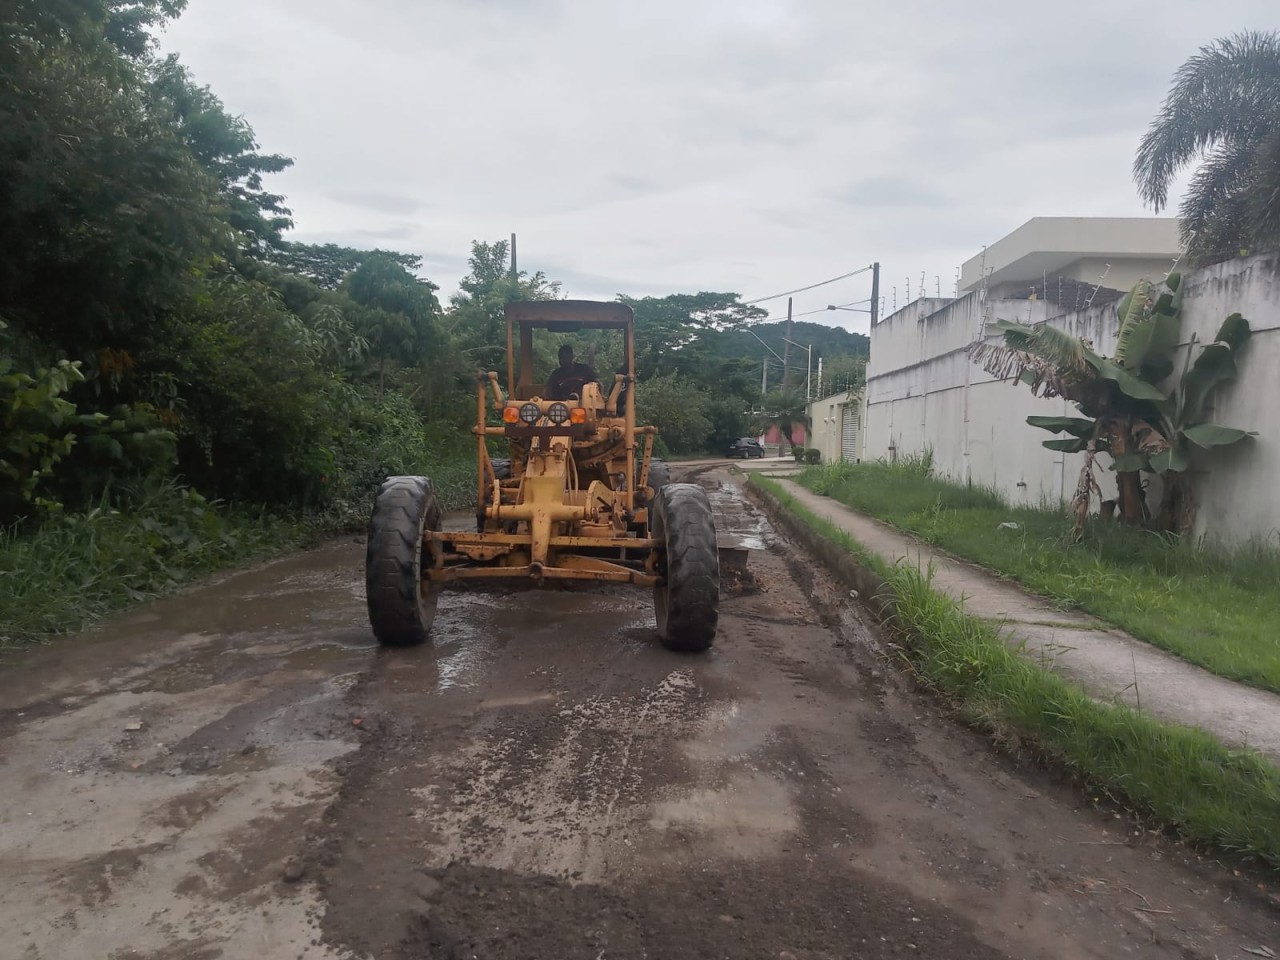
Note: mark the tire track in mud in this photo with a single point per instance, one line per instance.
(588, 794)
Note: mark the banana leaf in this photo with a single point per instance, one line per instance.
(1067, 445)
(1134, 310)
(1234, 331)
(1206, 435)
(1049, 343)
(1151, 340)
(1157, 370)
(1076, 426)
(1176, 458)
(1131, 462)
(1130, 385)
(1216, 364)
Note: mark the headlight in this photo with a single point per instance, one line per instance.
(530, 413)
(557, 413)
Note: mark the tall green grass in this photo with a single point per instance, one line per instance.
(73, 569)
(76, 568)
(1215, 608)
(1204, 790)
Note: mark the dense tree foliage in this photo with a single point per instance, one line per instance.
(154, 318)
(156, 321)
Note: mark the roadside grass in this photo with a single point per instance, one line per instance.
(1215, 608)
(1205, 791)
(75, 569)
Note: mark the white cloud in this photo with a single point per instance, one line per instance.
(748, 145)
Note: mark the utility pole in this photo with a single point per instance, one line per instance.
(764, 376)
(818, 392)
(875, 294)
(786, 351)
(515, 274)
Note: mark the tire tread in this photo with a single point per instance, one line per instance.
(684, 519)
(398, 612)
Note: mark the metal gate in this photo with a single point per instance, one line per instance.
(849, 432)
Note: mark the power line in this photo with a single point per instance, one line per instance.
(812, 286)
(809, 313)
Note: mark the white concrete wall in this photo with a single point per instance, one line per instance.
(826, 416)
(1117, 273)
(923, 391)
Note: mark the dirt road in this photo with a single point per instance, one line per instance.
(239, 773)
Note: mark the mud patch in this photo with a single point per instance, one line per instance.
(772, 910)
(94, 878)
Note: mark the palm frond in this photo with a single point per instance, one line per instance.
(1212, 216)
(1262, 197)
(1226, 93)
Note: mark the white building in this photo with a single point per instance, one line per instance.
(836, 426)
(1072, 255)
(924, 392)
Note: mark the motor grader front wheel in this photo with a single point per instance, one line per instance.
(402, 605)
(687, 600)
(659, 474)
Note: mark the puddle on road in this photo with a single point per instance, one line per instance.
(473, 626)
(730, 732)
(750, 816)
(736, 523)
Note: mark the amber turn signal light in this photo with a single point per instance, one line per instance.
(510, 414)
(578, 415)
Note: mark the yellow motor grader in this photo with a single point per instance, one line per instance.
(580, 498)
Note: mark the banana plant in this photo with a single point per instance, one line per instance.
(1117, 395)
(1126, 413)
(1166, 447)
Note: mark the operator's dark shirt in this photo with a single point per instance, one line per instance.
(564, 382)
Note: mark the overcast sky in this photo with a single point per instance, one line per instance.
(654, 146)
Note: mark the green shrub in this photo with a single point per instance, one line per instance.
(76, 567)
(55, 457)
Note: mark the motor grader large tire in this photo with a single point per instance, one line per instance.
(402, 605)
(659, 474)
(687, 601)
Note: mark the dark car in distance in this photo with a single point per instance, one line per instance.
(745, 447)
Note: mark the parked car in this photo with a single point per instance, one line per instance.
(745, 447)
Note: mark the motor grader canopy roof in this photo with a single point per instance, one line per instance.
(570, 316)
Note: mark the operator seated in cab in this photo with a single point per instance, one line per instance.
(568, 379)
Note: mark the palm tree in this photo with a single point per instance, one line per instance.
(1224, 108)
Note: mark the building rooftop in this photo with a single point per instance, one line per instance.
(1045, 246)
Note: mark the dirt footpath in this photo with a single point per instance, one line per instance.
(239, 773)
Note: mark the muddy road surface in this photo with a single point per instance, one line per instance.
(238, 772)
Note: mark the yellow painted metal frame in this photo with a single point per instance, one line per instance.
(549, 499)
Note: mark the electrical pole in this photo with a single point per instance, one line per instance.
(786, 351)
(875, 294)
(515, 274)
(764, 376)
